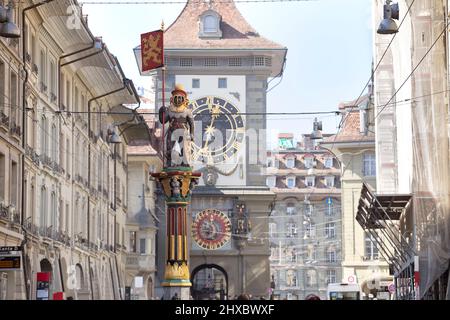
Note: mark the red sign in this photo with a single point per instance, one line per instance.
(43, 285)
(152, 51)
(43, 276)
(58, 296)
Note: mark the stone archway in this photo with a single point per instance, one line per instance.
(209, 282)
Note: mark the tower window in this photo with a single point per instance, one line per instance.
(234, 62)
(185, 62)
(196, 83)
(222, 83)
(210, 62)
(210, 24)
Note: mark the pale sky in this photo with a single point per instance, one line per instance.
(329, 51)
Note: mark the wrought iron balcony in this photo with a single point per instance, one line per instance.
(46, 161)
(15, 130)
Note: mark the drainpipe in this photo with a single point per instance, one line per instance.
(24, 142)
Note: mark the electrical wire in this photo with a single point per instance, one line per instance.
(145, 2)
(372, 73)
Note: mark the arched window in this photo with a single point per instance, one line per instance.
(210, 24)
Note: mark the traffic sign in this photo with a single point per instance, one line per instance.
(329, 201)
(391, 288)
(351, 279)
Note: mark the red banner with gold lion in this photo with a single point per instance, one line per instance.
(152, 51)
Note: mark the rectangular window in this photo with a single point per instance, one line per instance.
(310, 181)
(2, 88)
(371, 249)
(185, 62)
(331, 276)
(329, 181)
(291, 229)
(369, 165)
(331, 256)
(195, 83)
(234, 62)
(210, 62)
(132, 241)
(272, 229)
(259, 61)
(290, 182)
(290, 162)
(42, 74)
(14, 183)
(271, 182)
(328, 162)
(290, 209)
(13, 100)
(222, 83)
(2, 177)
(53, 81)
(309, 162)
(330, 230)
(142, 249)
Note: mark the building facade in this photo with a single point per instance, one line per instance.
(142, 215)
(305, 223)
(354, 146)
(64, 186)
(224, 65)
(411, 95)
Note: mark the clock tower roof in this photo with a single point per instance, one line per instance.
(236, 32)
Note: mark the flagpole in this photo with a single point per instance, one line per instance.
(163, 97)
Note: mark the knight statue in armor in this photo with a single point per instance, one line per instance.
(180, 132)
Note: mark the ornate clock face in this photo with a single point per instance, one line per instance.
(222, 130)
(211, 229)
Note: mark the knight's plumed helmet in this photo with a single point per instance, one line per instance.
(179, 90)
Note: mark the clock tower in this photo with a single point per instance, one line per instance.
(224, 66)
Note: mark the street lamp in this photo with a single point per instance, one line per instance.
(391, 12)
(8, 28)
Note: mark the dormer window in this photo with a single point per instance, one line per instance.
(209, 25)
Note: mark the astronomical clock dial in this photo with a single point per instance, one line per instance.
(211, 229)
(222, 129)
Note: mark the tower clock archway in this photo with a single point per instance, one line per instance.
(209, 282)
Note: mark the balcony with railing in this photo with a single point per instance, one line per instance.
(15, 130)
(32, 154)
